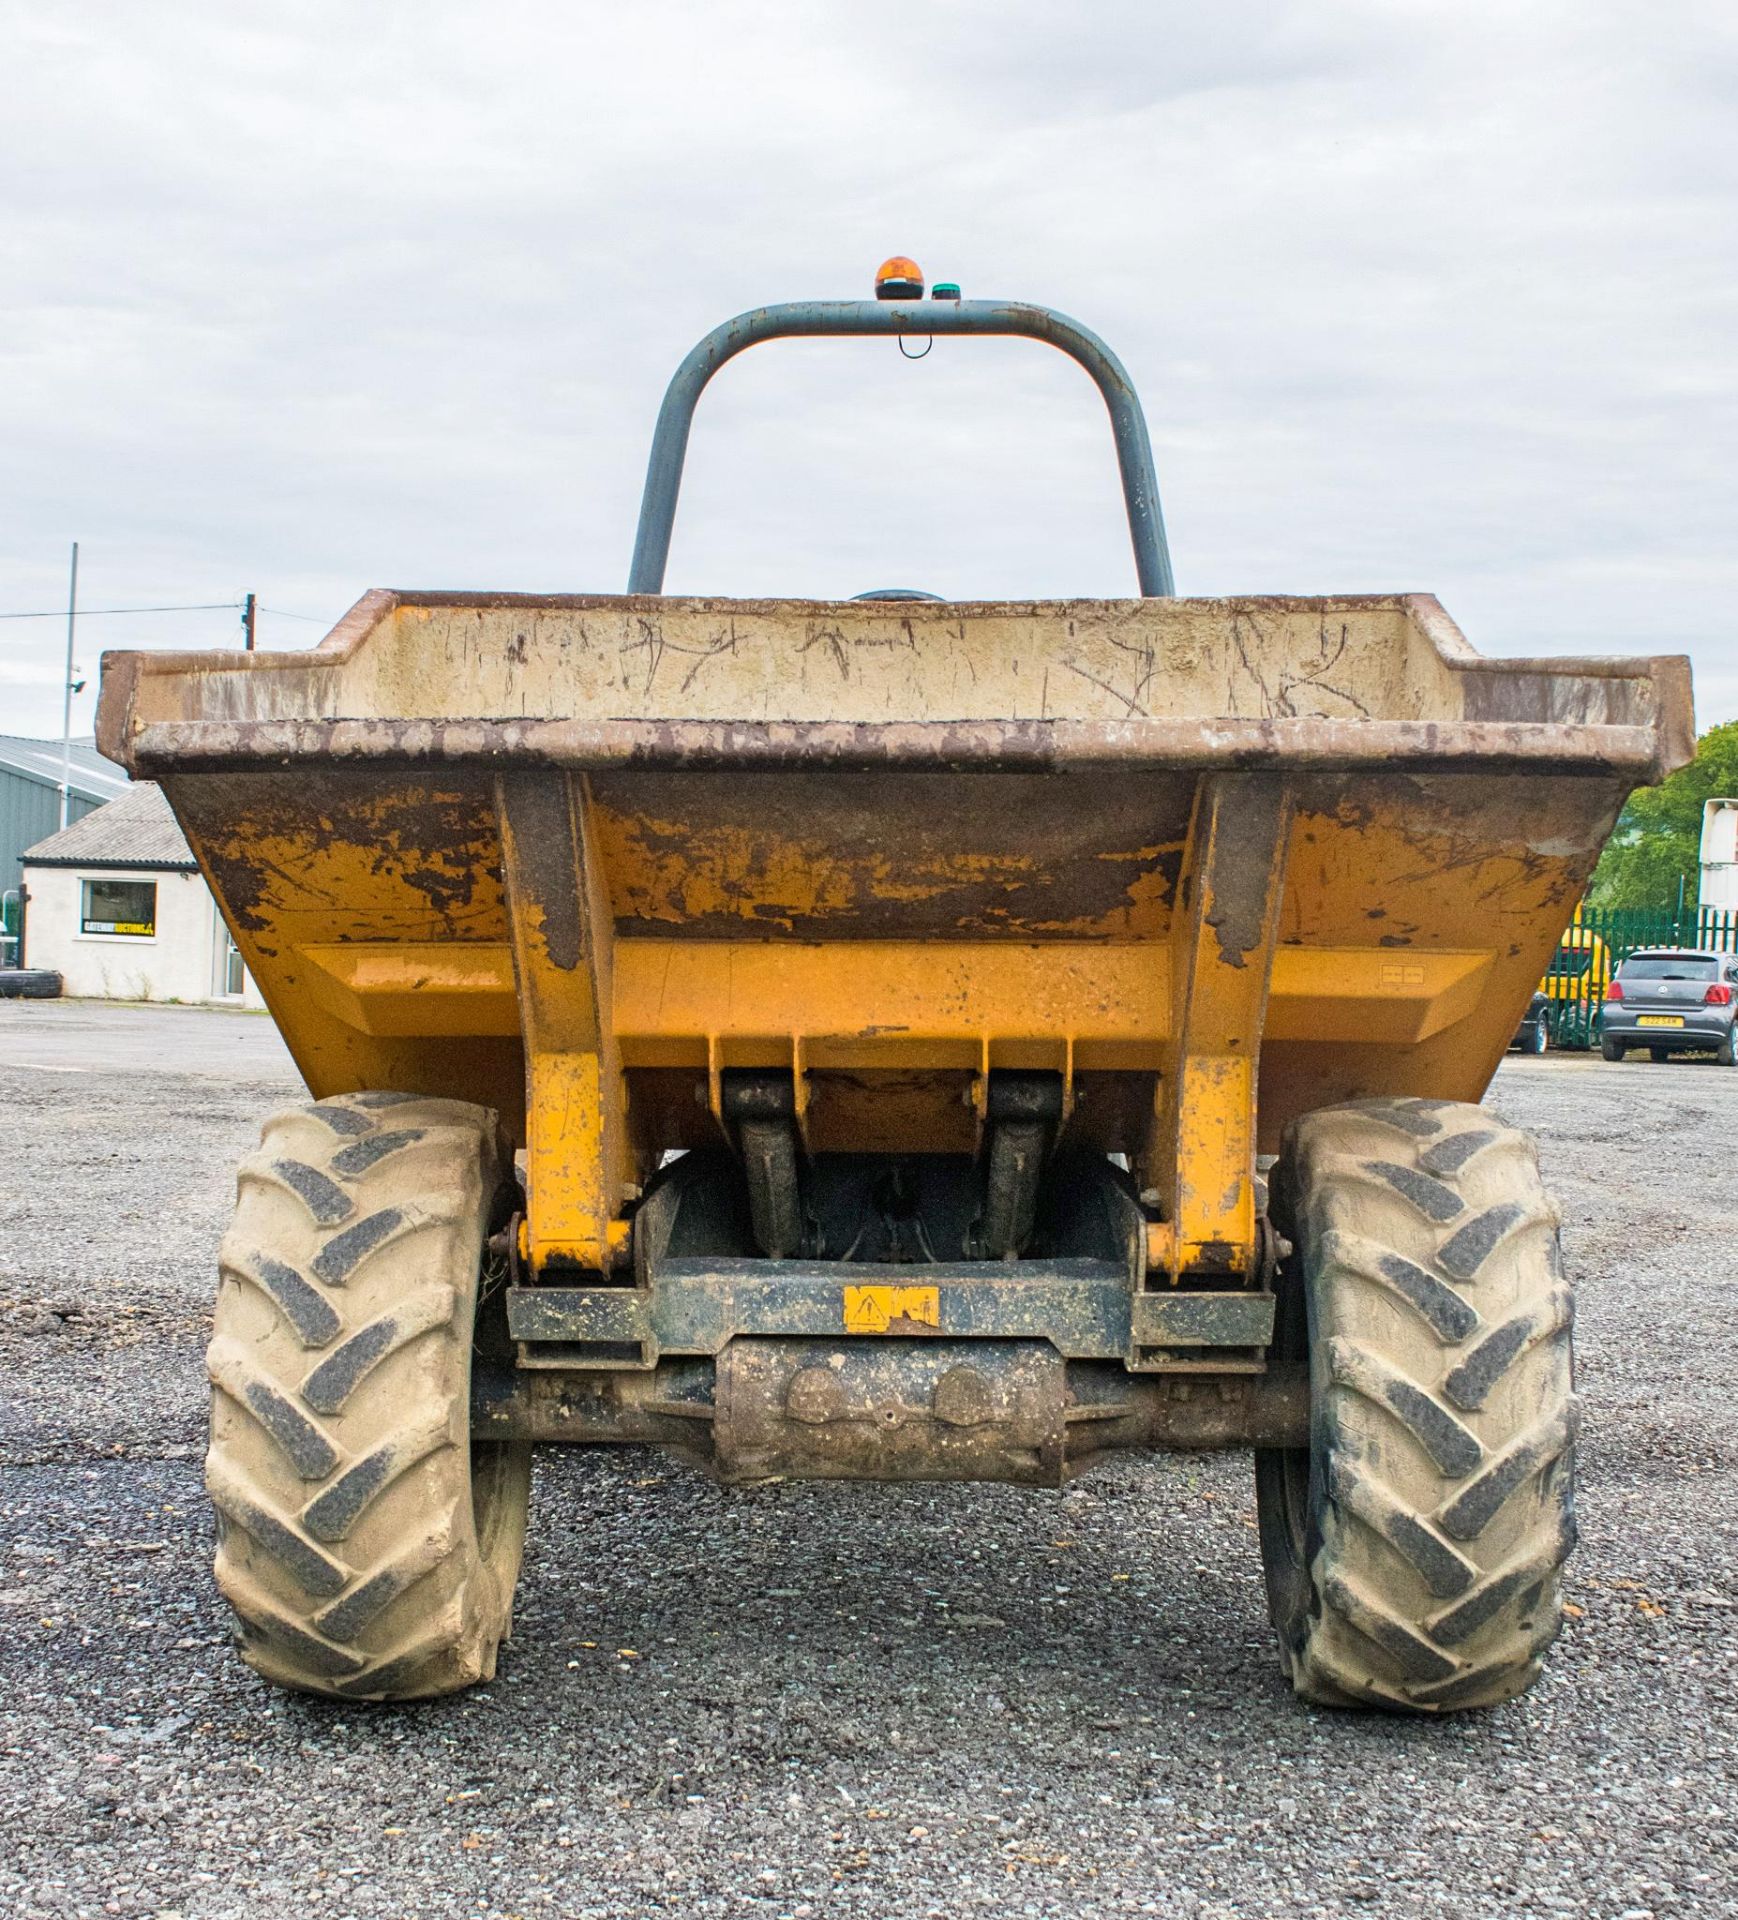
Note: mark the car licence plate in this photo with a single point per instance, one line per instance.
(1660, 1020)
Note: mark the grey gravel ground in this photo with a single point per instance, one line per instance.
(820, 1700)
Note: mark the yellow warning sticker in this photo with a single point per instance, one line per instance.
(874, 1309)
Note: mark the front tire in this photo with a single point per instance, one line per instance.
(368, 1547)
(1412, 1550)
(1539, 1039)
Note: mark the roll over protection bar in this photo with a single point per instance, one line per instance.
(803, 319)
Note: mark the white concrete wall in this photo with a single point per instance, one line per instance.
(181, 961)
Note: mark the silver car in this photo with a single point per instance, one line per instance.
(1672, 1000)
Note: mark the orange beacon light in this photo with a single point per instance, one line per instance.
(899, 279)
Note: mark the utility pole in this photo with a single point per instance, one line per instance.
(66, 693)
(247, 612)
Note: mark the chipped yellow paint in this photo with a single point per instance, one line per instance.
(679, 871)
(888, 933)
(873, 1309)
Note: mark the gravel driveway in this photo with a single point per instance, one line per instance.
(831, 1700)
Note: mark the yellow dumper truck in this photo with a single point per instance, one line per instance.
(848, 1038)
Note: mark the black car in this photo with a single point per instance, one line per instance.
(1533, 1035)
(1672, 1000)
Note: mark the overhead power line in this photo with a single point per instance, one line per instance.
(203, 606)
(91, 613)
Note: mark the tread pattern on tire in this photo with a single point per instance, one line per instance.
(1444, 1407)
(362, 1547)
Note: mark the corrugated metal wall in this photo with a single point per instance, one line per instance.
(29, 812)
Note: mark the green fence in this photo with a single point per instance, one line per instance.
(1600, 940)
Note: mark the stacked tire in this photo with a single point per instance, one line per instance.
(29, 983)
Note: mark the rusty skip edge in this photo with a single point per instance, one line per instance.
(1012, 746)
(351, 632)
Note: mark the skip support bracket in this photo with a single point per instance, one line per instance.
(1201, 1148)
(577, 1154)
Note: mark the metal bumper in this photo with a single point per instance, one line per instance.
(1079, 1309)
(1698, 1034)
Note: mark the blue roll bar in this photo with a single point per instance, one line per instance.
(801, 319)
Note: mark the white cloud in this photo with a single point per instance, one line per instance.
(312, 298)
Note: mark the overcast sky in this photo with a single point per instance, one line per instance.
(309, 299)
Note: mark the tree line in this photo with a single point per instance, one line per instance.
(1658, 837)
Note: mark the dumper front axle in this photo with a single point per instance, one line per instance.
(893, 1409)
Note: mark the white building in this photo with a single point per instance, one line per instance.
(1720, 855)
(116, 905)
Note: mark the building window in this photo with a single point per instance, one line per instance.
(120, 906)
(232, 976)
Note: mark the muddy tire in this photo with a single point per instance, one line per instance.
(368, 1548)
(1412, 1551)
